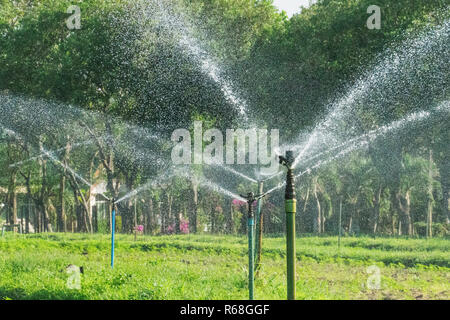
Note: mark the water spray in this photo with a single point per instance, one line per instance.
(290, 205)
(251, 198)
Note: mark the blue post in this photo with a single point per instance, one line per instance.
(113, 227)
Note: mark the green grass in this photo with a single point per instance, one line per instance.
(215, 267)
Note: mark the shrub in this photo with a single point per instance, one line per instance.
(438, 229)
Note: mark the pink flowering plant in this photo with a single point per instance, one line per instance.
(139, 228)
(184, 226)
(238, 203)
(170, 228)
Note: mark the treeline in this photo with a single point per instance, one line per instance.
(133, 81)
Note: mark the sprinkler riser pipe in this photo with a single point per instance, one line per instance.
(251, 213)
(251, 258)
(251, 198)
(290, 185)
(291, 209)
(290, 247)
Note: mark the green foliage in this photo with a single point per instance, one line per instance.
(208, 267)
(299, 65)
(295, 65)
(438, 229)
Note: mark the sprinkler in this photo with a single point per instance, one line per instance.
(290, 205)
(251, 197)
(113, 229)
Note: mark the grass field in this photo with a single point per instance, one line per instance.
(215, 267)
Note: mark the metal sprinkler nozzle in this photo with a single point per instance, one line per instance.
(288, 160)
(251, 197)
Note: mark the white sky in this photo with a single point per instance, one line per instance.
(290, 6)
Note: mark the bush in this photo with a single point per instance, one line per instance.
(438, 229)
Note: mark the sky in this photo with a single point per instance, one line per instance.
(290, 6)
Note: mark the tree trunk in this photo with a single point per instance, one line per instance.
(318, 218)
(228, 211)
(393, 224)
(128, 220)
(43, 197)
(164, 215)
(127, 216)
(302, 222)
(323, 219)
(194, 212)
(77, 214)
(60, 212)
(446, 202)
(37, 221)
(27, 215)
(169, 210)
(376, 209)
(161, 217)
(184, 215)
(404, 203)
(88, 218)
(12, 199)
(350, 221)
(149, 215)
(393, 208)
(177, 220)
(430, 200)
(444, 173)
(211, 218)
(95, 219)
(244, 219)
(106, 155)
